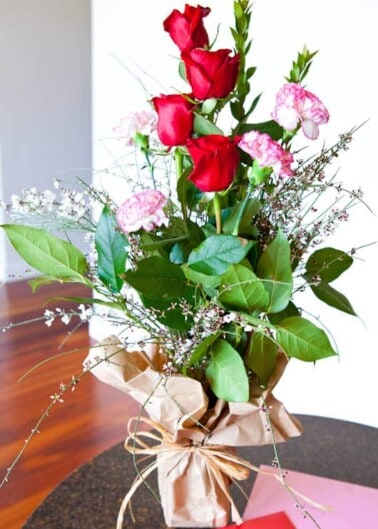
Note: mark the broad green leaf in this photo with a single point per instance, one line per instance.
(272, 128)
(332, 297)
(39, 281)
(226, 373)
(153, 245)
(157, 278)
(169, 313)
(111, 251)
(215, 254)
(328, 264)
(240, 218)
(181, 250)
(242, 290)
(299, 338)
(236, 336)
(274, 267)
(46, 253)
(201, 349)
(261, 357)
(204, 127)
(208, 282)
(290, 310)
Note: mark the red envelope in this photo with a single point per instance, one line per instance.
(278, 520)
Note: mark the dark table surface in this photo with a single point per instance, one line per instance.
(90, 497)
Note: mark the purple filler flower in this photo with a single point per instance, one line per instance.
(296, 105)
(267, 152)
(143, 210)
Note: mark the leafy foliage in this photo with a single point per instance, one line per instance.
(211, 274)
(53, 257)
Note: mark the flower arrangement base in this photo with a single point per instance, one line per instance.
(193, 494)
(194, 443)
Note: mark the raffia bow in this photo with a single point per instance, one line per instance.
(219, 461)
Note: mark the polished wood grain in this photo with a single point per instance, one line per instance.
(91, 418)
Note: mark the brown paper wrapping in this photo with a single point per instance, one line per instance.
(190, 495)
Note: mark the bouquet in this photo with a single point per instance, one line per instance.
(200, 267)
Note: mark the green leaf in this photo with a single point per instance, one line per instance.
(272, 128)
(208, 282)
(157, 278)
(111, 251)
(274, 267)
(202, 349)
(46, 253)
(226, 373)
(332, 297)
(204, 127)
(181, 250)
(209, 105)
(328, 264)
(242, 290)
(39, 281)
(237, 110)
(240, 218)
(169, 313)
(153, 245)
(299, 338)
(290, 310)
(215, 254)
(182, 71)
(261, 357)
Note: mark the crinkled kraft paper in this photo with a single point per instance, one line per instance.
(187, 488)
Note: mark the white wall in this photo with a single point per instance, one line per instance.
(344, 76)
(45, 97)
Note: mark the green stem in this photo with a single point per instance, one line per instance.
(179, 163)
(217, 211)
(179, 159)
(151, 167)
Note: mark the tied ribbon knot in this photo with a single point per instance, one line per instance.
(222, 465)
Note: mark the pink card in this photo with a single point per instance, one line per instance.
(278, 520)
(353, 506)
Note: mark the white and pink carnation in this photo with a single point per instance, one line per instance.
(267, 152)
(296, 105)
(142, 122)
(143, 210)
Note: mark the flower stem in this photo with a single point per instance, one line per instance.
(179, 159)
(217, 211)
(179, 163)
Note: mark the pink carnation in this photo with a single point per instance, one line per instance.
(143, 210)
(267, 152)
(144, 122)
(294, 104)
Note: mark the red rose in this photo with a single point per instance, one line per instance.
(211, 73)
(186, 29)
(215, 159)
(175, 119)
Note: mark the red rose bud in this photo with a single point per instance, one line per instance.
(186, 29)
(175, 119)
(211, 73)
(215, 159)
